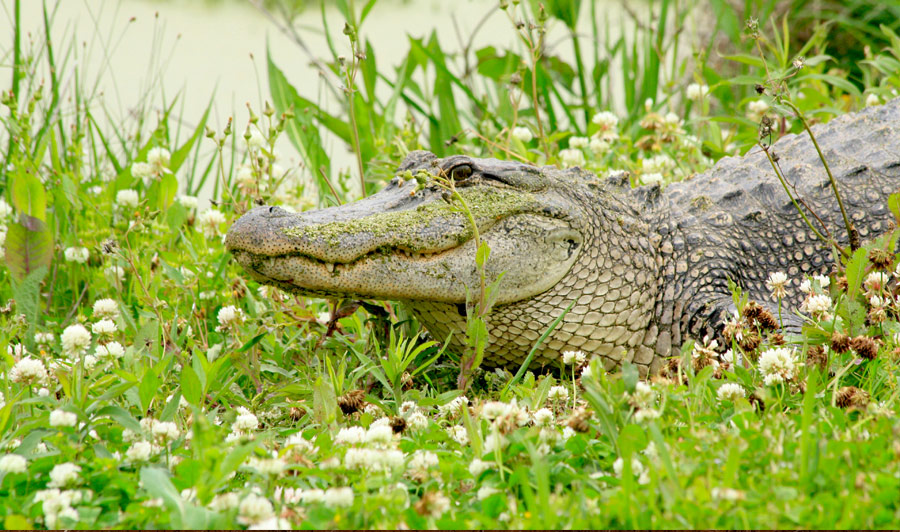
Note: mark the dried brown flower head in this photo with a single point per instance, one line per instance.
(865, 347)
(579, 420)
(881, 258)
(398, 424)
(840, 343)
(816, 356)
(352, 401)
(851, 397)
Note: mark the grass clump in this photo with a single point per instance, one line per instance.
(148, 385)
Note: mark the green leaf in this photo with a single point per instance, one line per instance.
(631, 440)
(122, 416)
(190, 386)
(28, 195)
(27, 293)
(156, 481)
(28, 246)
(894, 204)
(148, 388)
(856, 268)
(629, 376)
(564, 10)
(168, 187)
(171, 408)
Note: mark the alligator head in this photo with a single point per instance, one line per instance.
(412, 243)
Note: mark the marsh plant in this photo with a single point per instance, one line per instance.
(147, 384)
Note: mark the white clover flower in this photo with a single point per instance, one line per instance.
(158, 158)
(672, 120)
(115, 274)
(587, 372)
(350, 435)
(454, 407)
(127, 198)
(379, 434)
(643, 395)
(558, 393)
(872, 99)
(778, 365)
(477, 467)
(523, 134)
(696, 91)
(77, 254)
(142, 171)
(571, 157)
(44, 338)
(272, 523)
(111, 349)
(423, 460)
(75, 338)
(459, 434)
(256, 141)
(606, 120)
(658, 163)
(165, 430)
(61, 418)
(106, 308)
(336, 497)
(806, 286)
(727, 494)
(730, 391)
(598, 146)
(104, 326)
(312, 496)
(267, 466)
(63, 474)
(819, 304)
(225, 501)
(776, 284)
(245, 421)
(188, 202)
(876, 281)
(651, 178)
(823, 280)
(246, 176)
(574, 357)
(13, 463)
(543, 417)
(637, 467)
(492, 410)
(209, 222)
(486, 491)
(16, 350)
(139, 451)
(756, 109)
(298, 443)
(644, 414)
(578, 143)
(437, 504)
(417, 421)
(229, 316)
(254, 508)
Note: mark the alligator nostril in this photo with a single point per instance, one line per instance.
(271, 210)
(461, 309)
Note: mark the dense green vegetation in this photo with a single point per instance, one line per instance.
(147, 383)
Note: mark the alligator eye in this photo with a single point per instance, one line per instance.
(461, 172)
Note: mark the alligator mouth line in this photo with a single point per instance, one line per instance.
(335, 267)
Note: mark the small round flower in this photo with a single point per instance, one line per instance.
(90, 362)
(111, 349)
(379, 434)
(63, 475)
(209, 221)
(876, 282)
(571, 157)
(651, 178)
(229, 316)
(459, 434)
(77, 254)
(127, 198)
(254, 508)
(158, 158)
(643, 395)
(819, 304)
(13, 463)
(188, 202)
(696, 91)
(61, 418)
(756, 109)
(523, 134)
(776, 283)
(477, 467)
(730, 391)
(606, 120)
(777, 365)
(558, 393)
(417, 421)
(104, 326)
(872, 99)
(267, 466)
(166, 430)
(44, 338)
(543, 417)
(139, 451)
(245, 421)
(106, 308)
(598, 146)
(75, 338)
(578, 143)
(115, 273)
(28, 371)
(335, 497)
(573, 357)
(16, 350)
(423, 460)
(142, 171)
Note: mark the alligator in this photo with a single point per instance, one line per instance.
(643, 268)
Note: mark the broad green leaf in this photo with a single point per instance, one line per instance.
(855, 270)
(148, 388)
(28, 195)
(122, 416)
(28, 246)
(190, 386)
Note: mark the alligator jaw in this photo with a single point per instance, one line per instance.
(408, 244)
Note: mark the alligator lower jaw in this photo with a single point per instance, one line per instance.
(393, 274)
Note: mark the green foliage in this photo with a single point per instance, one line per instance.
(189, 397)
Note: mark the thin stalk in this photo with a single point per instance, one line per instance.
(581, 83)
(16, 70)
(851, 233)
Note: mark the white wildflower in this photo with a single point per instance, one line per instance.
(272, 523)
(61, 418)
(256, 140)
(872, 99)
(229, 316)
(523, 134)
(335, 497)
(142, 171)
(423, 460)
(459, 434)
(756, 109)
(819, 305)
(106, 308)
(111, 349)
(139, 451)
(77, 254)
(876, 282)
(696, 91)
(379, 434)
(13, 463)
(224, 502)
(166, 430)
(127, 198)
(543, 417)
(115, 273)
(573, 357)
(245, 421)
(188, 202)
(254, 508)
(571, 157)
(776, 284)
(454, 407)
(417, 421)
(578, 143)
(477, 467)
(651, 178)
(606, 120)
(63, 474)
(730, 391)
(209, 222)
(44, 338)
(778, 365)
(598, 146)
(104, 326)
(643, 395)
(158, 158)
(350, 435)
(558, 393)
(75, 338)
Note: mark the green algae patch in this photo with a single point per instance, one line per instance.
(420, 228)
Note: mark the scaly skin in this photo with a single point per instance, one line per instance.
(645, 268)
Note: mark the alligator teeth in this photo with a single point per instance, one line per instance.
(329, 266)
